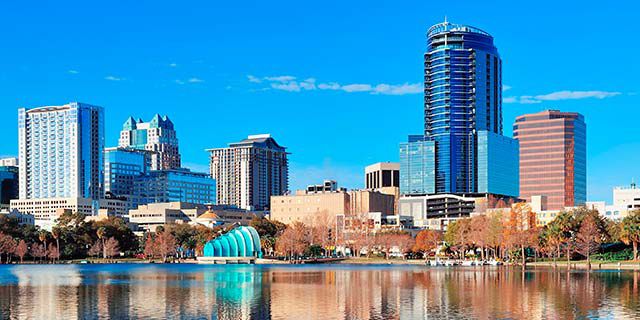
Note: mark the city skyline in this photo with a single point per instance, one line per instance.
(228, 86)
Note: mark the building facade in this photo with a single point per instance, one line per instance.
(417, 166)
(177, 185)
(436, 211)
(315, 208)
(553, 160)
(381, 175)
(497, 164)
(158, 135)
(149, 217)
(8, 185)
(60, 151)
(463, 96)
(249, 172)
(627, 197)
(121, 168)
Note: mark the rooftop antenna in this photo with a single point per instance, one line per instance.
(445, 19)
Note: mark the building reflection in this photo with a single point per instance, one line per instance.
(303, 292)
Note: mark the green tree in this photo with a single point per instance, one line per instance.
(630, 231)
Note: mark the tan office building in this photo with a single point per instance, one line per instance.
(319, 207)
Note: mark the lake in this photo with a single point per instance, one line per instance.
(121, 291)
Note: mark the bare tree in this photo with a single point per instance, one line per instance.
(7, 246)
(38, 251)
(589, 238)
(96, 249)
(53, 253)
(111, 247)
(21, 250)
(166, 245)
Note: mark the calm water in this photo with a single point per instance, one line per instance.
(304, 292)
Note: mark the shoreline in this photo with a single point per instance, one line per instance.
(560, 265)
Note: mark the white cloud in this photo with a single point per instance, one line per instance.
(356, 87)
(570, 95)
(280, 78)
(308, 84)
(510, 99)
(195, 80)
(173, 65)
(113, 78)
(560, 95)
(180, 82)
(254, 79)
(505, 88)
(291, 84)
(401, 89)
(329, 86)
(73, 71)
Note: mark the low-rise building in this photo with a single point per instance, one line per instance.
(23, 218)
(150, 216)
(319, 207)
(50, 209)
(436, 211)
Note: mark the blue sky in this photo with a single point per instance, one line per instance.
(223, 71)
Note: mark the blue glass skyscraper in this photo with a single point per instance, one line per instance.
(463, 86)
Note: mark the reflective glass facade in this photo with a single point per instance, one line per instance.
(463, 88)
(121, 168)
(498, 170)
(553, 159)
(61, 151)
(8, 184)
(417, 166)
(174, 185)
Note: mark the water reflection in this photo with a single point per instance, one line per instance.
(302, 292)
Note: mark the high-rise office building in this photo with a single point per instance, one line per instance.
(249, 172)
(157, 135)
(463, 85)
(553, 160)
(121, 167)
(417, 166)
(60, 151)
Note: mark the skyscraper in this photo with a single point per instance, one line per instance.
(157, 135)
(249, 172)
(60, 151)
(463, 84)
(553, 157)
(417, 166)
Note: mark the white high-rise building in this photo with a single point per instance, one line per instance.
(249, 172)
(60, 151)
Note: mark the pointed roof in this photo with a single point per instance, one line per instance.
(130, 124)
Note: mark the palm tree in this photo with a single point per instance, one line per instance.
(55, 233)
(566, 223)
(630, 231)
(101, 232)
(42, 235)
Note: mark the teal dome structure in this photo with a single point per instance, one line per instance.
(239, 242)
